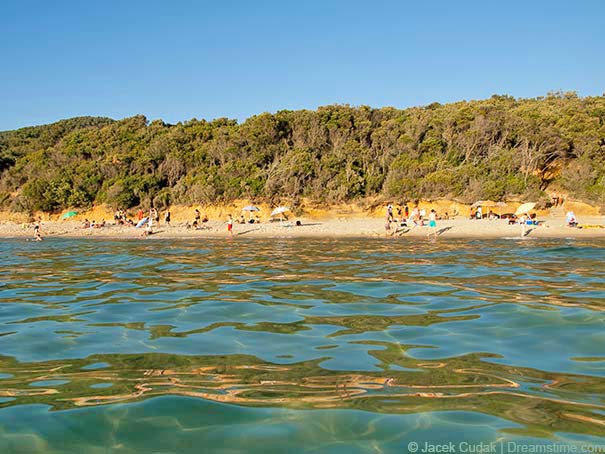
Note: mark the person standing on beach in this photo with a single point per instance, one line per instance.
(432, 223)
(154, 216)
(230, 225)
(140, 214)
(167, 217)
(390, 212)
(148, 228)
(415, 216)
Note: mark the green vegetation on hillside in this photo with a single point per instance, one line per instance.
(497, 148)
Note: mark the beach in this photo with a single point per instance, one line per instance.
(337, 227)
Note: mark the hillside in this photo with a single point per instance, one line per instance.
(498, 148)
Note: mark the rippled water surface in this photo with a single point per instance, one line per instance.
(299, 345)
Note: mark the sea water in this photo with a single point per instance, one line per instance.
(302, 345)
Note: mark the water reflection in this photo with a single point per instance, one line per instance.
(539, 401)
(510, 329)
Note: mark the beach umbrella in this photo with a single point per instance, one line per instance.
(525, 208)
(279, 210)
(484, 204)
(250, 209)
(141, 223)
(69, 214)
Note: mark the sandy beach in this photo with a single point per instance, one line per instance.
(369, 227)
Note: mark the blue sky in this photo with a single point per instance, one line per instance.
(206, 59)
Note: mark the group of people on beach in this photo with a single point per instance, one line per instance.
(198, 221)
(407, 220)
(242, 220)
(120, 217)
(477, 213)
(399, 220)
(252, 220)
(86, 224)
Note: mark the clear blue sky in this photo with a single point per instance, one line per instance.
(177, 60)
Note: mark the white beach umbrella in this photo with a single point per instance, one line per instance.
(279, 210)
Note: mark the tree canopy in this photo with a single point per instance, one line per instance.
(498, 148)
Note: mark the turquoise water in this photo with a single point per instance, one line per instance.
(300, 345)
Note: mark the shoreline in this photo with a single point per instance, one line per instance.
(359, 227)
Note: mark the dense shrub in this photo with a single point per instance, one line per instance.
(496, 148)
